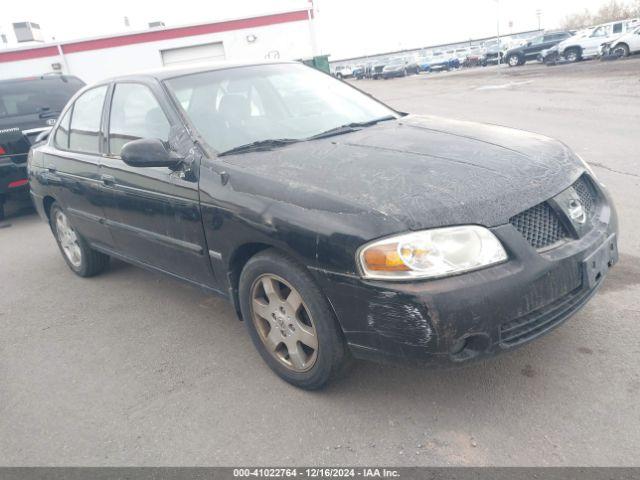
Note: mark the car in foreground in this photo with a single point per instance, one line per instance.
(28, 106)
(335, 225)
(627, 44)
(532, 49)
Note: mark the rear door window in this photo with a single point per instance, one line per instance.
(135, 113)
(617, 28)
(84, 134)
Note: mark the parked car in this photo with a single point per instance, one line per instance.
(28, 106)
(359, 72)
(343, 71)
(530, 50)
(440, 61)
(474, 57)
(400, 67)
(492, 52)
(625, 45)
(588, 45)
(376, 70)
(335, 225)
(424, 63)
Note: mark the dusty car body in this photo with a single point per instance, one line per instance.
(316, 212)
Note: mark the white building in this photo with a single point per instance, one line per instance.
(284, 35)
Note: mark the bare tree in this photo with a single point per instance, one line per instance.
(609, 12)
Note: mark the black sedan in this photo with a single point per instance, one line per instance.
(28, 106)
(335, 225)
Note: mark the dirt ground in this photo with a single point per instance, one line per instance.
(131, 368)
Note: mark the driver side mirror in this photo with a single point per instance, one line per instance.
(149, 152)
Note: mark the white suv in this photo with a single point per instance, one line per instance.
(579, 47)
(627, 44)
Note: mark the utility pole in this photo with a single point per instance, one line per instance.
(498, 29)
(539, 15)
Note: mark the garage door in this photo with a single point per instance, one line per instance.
(193, 54)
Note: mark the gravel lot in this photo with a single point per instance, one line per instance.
(133, 368)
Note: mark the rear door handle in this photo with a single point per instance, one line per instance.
(108, 180)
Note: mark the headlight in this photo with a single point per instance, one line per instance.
(431, 253)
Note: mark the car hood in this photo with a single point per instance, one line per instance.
(414, 173)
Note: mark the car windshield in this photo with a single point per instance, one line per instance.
(36, 95)
(241, 106)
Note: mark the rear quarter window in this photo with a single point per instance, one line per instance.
(84, 133)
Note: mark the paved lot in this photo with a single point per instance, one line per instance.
(134, 368)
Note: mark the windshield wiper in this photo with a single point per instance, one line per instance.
(259, 145)
(351, 127)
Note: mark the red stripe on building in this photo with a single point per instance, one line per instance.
(156, 35)
(28, 54)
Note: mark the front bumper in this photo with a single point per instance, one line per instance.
(478, 314)
(13, 169)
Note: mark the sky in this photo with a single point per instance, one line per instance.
(345, 28)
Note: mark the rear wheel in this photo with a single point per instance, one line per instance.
(514, 60)
(290, 322)
(80, 257)
(621, 50)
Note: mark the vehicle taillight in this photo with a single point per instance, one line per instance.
(18, 183)
(2, 151)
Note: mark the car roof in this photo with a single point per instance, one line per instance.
(40, 77)
(172, 72)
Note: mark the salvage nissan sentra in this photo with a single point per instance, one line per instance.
(337, 226)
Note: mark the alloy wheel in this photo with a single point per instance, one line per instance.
(68, 239)
(284, 323)
(514, 60)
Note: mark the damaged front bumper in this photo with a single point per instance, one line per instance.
(478, 314)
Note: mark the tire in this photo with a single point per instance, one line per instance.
(621, 50)
(2, 213)
(514, 60)
(80, 257)
(573, 54)
(280, 324)
(339, 76)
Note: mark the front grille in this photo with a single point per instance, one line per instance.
(542, 320)
(540, 226)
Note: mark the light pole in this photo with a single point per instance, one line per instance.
(539, 15)
(498, 28)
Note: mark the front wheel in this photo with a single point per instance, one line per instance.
(572, 55)
(81, 258)
(621, 50)
(290, 321)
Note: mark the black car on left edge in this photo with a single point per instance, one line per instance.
(335, 225)
(28, 107)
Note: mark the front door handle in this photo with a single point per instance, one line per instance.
(108, 180)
